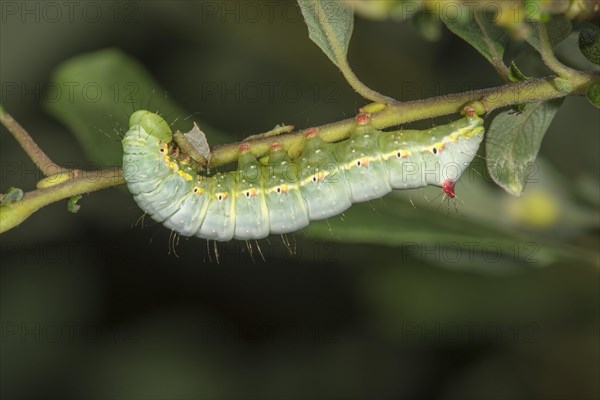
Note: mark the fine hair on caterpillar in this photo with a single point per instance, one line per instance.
(117, 122)
(279, 194)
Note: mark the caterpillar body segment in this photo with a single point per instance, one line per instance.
(287, 210)
(360, 159)
(323, 184)
(283, 195)
(219, 221)
(190, 215)
(252, 213)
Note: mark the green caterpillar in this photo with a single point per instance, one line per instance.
(283, 195)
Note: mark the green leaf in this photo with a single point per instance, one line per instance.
(557, 28)
(12, 195)
(593, 94)
(72, 205)
(330, 26)
(98, 92)
(515, 74)
(488, 39)
(589, 43)
(513, 143)
(564, 85)
(378, 223)
(423, 232)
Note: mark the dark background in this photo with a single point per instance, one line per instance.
(388, 301)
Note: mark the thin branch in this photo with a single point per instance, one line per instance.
(361, 88)
(497, 61)
(72, 182)
(344, 66)
(484, 101)
(37, 155)
(13, 214)
(548, 54)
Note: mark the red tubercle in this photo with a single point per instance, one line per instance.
(448, 188)
(311, 132)
(469, 111)
(244, 147)
(276, 146)
(362, 118)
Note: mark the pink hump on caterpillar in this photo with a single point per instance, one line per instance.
(244, 147)
(311, 132)
(363, 118)
(469, 111)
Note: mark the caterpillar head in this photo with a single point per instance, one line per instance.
(152, 123)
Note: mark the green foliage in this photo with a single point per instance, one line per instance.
(515, 74)
(12, 195)
(112, 86)
(330, 25)
(377, 224)
(400, 295)
(564, 85)
(487, 38)
(514, 139)
(72, 205)
(558, 28)
(593, 94)
(589, 43)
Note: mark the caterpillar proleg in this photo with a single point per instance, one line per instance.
(283, 195)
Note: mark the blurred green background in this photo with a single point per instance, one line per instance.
(488, 297)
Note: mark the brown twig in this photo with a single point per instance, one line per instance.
(37, 155)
